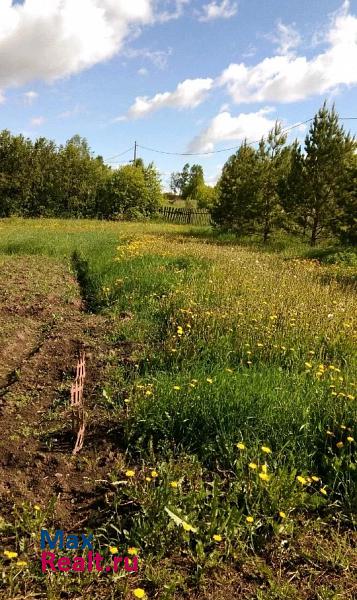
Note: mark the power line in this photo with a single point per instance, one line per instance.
(120, 154)
(217, 151)
(211, 152)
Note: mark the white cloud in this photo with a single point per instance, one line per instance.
(188, 94)
(37, 121)
(143, 72)
(56, 38)
(30, 97)
(218, 10)
(289, 78)
(170, 10)
(72, 112)
(158, 58)
(286, 38)
(225, 127)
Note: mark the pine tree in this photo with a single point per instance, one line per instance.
(329, 151)
(273, 158)
(235, 208)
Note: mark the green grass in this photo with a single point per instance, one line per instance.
(230, 343)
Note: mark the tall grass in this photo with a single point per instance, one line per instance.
(230, 345)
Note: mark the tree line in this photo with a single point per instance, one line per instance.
(42, 179)
(310, 190)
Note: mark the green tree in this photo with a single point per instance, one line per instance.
(273, 160)
(235, 208)
(126, 194)
(329, 154)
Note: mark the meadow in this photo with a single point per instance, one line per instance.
(236, 399)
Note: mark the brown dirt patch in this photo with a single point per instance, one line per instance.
(41, 351)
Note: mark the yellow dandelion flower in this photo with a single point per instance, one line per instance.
(188, 527)
(174, 484)
(209, 380)
(10, 554)
(329, 433)
(250, 520)
(339, 445)
(282, 514)
(177, 387)
(323, 491)
(301, 480)
(133, 551)
(264, 468)
(148, 479)
(350, 439)
(217, 538)
(139, 593)
(315, 478)
(264, 476)
(113, 550)
(130, 473)
(266, 449)
(241, 446)
(21, 563)
(253, 466)
(37, 507)
(154, 474)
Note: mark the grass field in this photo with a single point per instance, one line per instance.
(227, 390)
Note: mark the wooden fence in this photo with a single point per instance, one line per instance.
(186, 216)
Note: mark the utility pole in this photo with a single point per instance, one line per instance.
(135, 148)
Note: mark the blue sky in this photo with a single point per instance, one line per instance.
(174, 75)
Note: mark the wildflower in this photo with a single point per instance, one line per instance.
(133, 551)
(113, 550)
(209, 380)
(350, 439)
(308, 365)
(179, 330)
(260, 345)
(241, 446)
(130, 473)
(253, 466)
(148, 479)
(301, 480)
(329, 433)
(217, 538)
(339, 445)
(282, 514)
(139, 593)
(174, 484)
(148, 393)
(10, 554)
(264, 468)
(21, 563)
(154, 474)
(264, 476)
(266, 449)
(188, 527)
(177, 387)
(315, 478)
(37, 507)
(323, 491)
(250, 520)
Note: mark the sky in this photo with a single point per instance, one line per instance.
(177, 76)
